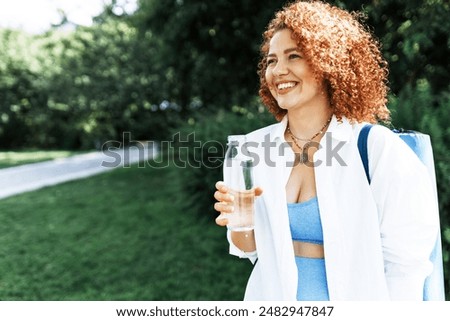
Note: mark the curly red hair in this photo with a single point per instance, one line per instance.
(341, 52)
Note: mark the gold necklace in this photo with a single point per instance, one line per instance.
(304, 155)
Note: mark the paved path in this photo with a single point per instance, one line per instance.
(24, 178)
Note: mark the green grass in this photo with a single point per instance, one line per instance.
(15, 158)
(116, 236)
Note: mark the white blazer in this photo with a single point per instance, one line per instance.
(377, 237)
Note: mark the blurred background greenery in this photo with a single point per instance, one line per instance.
(176, 66)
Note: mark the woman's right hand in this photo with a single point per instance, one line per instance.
(224, 203)
(244, 240)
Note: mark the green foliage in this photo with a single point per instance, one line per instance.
(202, 151)
(414, 38)
(104, 81)
(81, 89)
(20, 94)
(210, 49)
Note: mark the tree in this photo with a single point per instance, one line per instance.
(21, 96)
(209, 50)
(109, 82)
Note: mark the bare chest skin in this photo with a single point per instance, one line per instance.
(301, 185)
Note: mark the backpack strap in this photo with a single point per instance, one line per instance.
(362, 147)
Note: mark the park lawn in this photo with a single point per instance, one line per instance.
(121, 235)
(16, 158)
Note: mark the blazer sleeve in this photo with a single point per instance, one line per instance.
(408, 213)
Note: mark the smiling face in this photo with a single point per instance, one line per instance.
(289, 76)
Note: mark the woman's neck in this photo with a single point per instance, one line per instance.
(306, 123)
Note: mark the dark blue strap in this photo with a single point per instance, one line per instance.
(362, 147)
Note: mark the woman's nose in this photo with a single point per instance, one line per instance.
(280, 68)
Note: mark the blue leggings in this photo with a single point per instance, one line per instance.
(312, 279)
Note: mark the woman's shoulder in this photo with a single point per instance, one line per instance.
(384, 137)
(379, 135)
(385, 146)
(259, 134)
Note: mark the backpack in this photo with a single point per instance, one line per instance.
(421, 145)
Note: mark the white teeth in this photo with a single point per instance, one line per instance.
(286, 85)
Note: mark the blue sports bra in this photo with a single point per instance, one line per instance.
(304, 221)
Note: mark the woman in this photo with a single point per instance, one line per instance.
(321, 231)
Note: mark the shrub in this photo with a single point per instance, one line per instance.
(197, 150)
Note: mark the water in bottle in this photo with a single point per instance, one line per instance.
(238, 176)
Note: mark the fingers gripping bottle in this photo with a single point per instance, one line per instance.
(238, 176)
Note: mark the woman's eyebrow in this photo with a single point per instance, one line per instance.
(289, 50)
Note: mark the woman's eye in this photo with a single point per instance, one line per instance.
(270, 61)
(294, 56)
